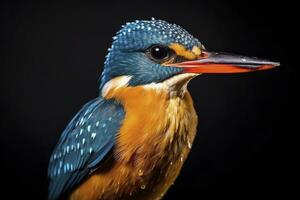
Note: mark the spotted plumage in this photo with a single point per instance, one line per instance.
(126, 53)
(131, 141)
(142, 33)
(84, 143)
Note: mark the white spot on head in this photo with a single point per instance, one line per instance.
(97, 123)
(89, 128)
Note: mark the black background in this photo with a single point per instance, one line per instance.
(51, 58)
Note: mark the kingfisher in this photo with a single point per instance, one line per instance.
(132, 140)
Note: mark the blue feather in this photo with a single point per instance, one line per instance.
(126, 55)
(83, 145)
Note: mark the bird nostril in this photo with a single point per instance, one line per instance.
(203, 55)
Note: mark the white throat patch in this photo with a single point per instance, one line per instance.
(175, 86)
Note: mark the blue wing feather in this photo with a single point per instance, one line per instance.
(84, 143)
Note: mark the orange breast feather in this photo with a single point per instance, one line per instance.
(152, 145)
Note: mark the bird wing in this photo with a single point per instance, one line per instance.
(84, 143)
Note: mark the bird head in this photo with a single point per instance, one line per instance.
(153, 51)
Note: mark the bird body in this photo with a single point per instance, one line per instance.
(145, 171)
(132, 140)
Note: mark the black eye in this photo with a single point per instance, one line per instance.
(159, 53)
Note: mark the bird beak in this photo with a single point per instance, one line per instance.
(213, 62)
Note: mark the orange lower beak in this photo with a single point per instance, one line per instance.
(213, 62)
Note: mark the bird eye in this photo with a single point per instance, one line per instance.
(159, 53)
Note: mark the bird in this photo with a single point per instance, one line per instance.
(131, 141)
